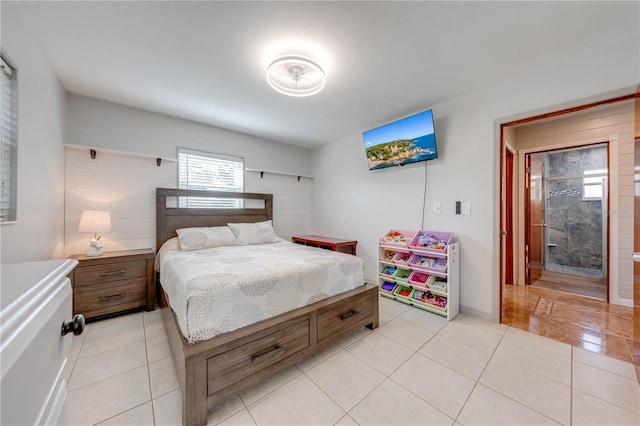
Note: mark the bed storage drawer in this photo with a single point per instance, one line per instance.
(343, 316)
(243, 361)
(98, 300)
(116, 271)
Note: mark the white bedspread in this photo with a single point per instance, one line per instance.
(217, 290)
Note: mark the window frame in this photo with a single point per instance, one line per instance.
(216, 159)
(8, 141)
(594, 178)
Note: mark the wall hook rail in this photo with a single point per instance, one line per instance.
(262, 172)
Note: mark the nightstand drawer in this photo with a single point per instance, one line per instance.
(118, 296)
(116, 271)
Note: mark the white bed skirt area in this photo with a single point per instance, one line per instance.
(218, 290)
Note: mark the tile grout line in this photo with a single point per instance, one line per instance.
(571, 390)
(106, 378)
(402, 386)
(302, 372)
(508, 396)
(604, 369)
(146, 352)
(477, 381)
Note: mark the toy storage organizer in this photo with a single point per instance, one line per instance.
(420, 268)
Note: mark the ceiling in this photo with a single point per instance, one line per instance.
(206, 61)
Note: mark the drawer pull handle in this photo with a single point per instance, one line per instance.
(111, 297)
(346, 315)
(106, 274)
(277, 348)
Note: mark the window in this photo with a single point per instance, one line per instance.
(211, 172)
(9, 142)
(593, 185)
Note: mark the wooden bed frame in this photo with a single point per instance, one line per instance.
(212, 370)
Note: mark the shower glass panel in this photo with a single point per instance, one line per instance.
(576, 210)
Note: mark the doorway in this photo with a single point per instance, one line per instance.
(602, 326)
(567, 221)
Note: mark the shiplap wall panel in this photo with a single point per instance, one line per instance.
(125, 184)
(291, 201)
(614, 124)
(602, 117)
(121, 183)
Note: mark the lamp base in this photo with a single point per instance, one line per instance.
(94, 252)
(95, 248)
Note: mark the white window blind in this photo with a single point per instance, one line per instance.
(211, 172)
(9, 143)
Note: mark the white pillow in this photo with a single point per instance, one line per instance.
(254, 233)
(205, 237)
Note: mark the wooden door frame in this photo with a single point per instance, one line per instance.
(528, 225)
(636, 246)
(509, 245)
(501, 179)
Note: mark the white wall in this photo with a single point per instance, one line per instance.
(39, 231)
(100, 124)
(124, 181)
(350, 201)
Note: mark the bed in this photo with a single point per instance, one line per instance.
(213, 365)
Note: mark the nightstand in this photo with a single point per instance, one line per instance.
(116, 282)
(335, 244)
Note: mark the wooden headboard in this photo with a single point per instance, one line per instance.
(168, 219)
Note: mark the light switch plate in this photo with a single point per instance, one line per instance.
(466, 208)
(437, 207)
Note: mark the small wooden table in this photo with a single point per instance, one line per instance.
(114, 283)
(335, 244)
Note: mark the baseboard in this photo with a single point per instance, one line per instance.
(626, 302)
(476, 313)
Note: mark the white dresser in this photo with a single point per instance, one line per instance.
(35, 300)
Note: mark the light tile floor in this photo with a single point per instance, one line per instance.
(414, 369)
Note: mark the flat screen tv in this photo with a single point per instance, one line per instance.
(401, 142)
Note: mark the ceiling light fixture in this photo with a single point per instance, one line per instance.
(295, 75)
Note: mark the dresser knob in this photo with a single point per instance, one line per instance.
(76, 325)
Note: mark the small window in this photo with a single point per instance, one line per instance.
(593, 185)
(9, 143)
(210, 172)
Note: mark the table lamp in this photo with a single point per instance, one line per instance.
(95, 221)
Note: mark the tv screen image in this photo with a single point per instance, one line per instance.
(401, 142)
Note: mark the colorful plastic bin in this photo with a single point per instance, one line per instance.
(402, 275)
(402, 292)
(428, 264)
(387, 256)
(401, 258)
(434, 302)
(439, 248)
(420, 279)
(387, 287)
(439, 284)
(388, 271)
(396, 239)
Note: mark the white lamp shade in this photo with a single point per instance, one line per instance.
(95, 221)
